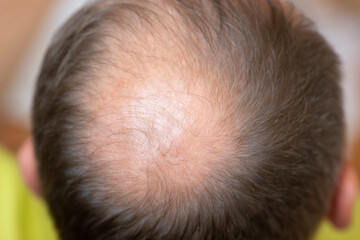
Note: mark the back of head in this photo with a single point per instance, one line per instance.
(188, 120)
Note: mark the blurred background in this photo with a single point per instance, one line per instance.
(26, 28)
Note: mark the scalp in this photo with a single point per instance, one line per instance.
(162, 121)
(188, 120)
(166, 136)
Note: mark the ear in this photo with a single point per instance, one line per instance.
(344, 198)
(28, 166)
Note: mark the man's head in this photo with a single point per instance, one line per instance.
(188, 120)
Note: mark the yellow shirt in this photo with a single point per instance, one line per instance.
(327, 232)
(24, 216)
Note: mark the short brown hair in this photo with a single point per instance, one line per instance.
(261, 149)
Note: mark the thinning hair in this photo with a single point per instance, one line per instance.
(188, 119)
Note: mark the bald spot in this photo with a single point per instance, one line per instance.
(156, 139)
(161, 128)
(160, 121)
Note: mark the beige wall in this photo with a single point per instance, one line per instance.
(19, 20)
